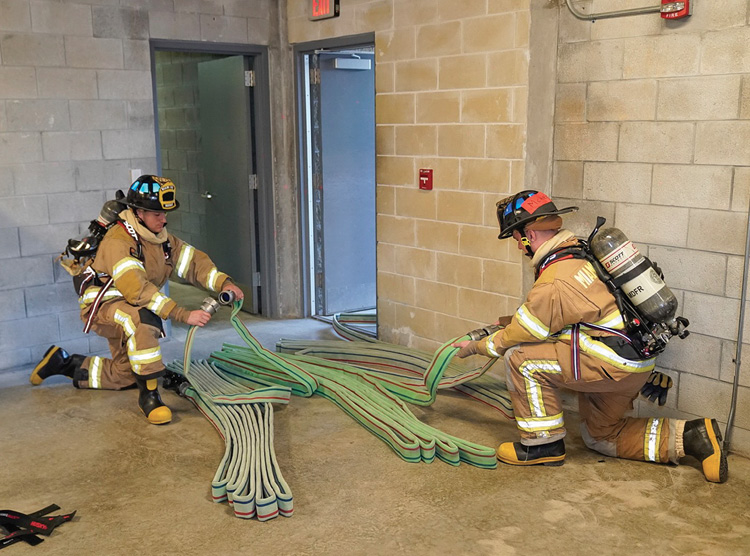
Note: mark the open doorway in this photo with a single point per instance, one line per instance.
(213, 141)
(336, 101)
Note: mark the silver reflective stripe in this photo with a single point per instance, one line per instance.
(125, 265)
(157, 302)
(491, 344)
(531, 323)
(95, 373)
(531, 424)
(211, 280)
(184, 260)
(652, 440)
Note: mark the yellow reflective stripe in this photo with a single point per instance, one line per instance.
(158, 300)
(534, 424)
(491, 344)
(652, 440)
(184, 260)
(90, 295)
(124, 320)
(95, 372)
(211, 279)
(145, 356)
(613, 320)
(126, 264)
(533, 389)
(535, 327)
(605, 353)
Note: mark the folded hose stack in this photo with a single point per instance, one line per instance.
(367, 379)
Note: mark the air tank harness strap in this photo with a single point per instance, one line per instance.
(26, 527)
(575, 347)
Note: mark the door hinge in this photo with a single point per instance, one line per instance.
(315, 76)
(250, 78)
(256, 279)
(253, 181)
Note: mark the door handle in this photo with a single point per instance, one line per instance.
(206, 195)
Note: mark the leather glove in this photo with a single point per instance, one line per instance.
(504, 321)
(468, 347)
(657, 387)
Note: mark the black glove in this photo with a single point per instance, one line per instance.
(657, 387)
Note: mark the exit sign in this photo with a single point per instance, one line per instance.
(323, 9)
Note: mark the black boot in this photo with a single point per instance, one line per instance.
(515, 453)
(150, 402)
(56, 361)
(702, 440)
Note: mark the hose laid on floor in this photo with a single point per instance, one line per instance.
(386, 359)
(372, 399)
(248, 476)
(235, 387)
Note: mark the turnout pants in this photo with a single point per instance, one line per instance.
(536, 372)
(133, 334)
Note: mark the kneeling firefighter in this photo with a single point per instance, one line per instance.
(121, 301)
(575, 331)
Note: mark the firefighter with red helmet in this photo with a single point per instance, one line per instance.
(569, 333)
(123, 301)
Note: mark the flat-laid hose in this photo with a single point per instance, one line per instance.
(234, 389)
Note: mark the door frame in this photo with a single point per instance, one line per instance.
(261, 108)
(300, 51)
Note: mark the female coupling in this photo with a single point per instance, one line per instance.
(211, 305)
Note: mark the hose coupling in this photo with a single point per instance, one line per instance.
(226, 297)
(210, 305)
(488, 330)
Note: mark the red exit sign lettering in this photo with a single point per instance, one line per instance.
(323, 9)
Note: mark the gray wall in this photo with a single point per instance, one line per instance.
(76, 114)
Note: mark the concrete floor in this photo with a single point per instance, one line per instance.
(138, 487)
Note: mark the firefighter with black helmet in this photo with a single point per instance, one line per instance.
(124, 303)
(569, 333)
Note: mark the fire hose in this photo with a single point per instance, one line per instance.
(232, 386)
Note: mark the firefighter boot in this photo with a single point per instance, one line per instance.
(515, 453)
(150, 402)
(56, 361)
(702, 440)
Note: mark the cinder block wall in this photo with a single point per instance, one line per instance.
(179, 132)
(451, 89)
(76, 114)
(652, 132)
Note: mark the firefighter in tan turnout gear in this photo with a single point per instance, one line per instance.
(123, 302)
(569, 333)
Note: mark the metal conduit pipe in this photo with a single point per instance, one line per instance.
(740, 334)
(619, 13)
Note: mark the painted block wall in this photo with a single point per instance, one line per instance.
(451, 89)
(656, 143)
(652, 127)
(76, 114)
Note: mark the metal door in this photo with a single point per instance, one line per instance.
(346, 277)
(229, 182)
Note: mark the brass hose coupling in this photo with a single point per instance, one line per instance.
(488, 330)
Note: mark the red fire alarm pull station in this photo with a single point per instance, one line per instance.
(323, 9)
(676, 10)
(425, 179)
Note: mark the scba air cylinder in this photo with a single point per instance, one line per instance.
(634, 275)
